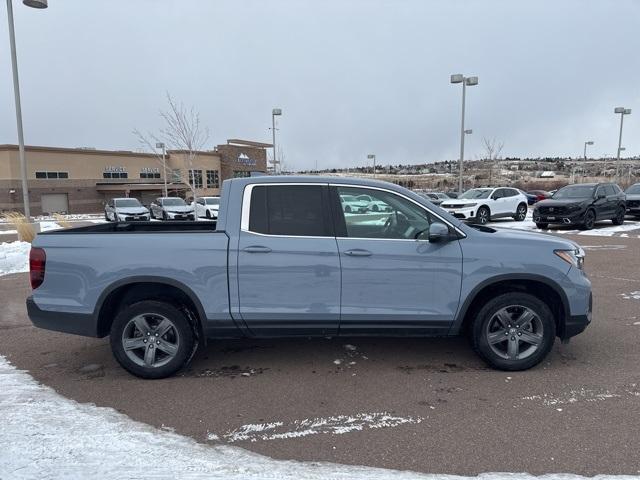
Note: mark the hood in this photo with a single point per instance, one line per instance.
(213, 207)
(550, 202)
(131, 210)
(456, 202)
(518, 237)
(179, 208)
(633, 196)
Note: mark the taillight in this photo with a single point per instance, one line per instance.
(37, 261)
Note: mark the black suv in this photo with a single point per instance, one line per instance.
(582, 204)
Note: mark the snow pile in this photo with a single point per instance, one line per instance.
(14, 257)
(46, 436)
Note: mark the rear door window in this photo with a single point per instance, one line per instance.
(291, 210)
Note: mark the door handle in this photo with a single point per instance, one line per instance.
(256, 249)
(358, 252)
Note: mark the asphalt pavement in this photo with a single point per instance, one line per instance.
(428, 405)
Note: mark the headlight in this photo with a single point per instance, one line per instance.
(573, 257)
(467, 205)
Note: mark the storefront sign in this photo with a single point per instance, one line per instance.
(244, 159)
(150, 170)
(114, 169)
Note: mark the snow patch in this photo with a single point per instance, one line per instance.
(584, 395)
(631, 295)
(336, 425)
(14, 257)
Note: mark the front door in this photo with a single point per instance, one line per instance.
(288, 265)
(392, 282)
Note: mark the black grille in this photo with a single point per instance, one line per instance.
(552, 210)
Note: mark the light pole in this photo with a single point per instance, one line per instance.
(371, 156)
(164, 165)
(588, 142)
(16, 92)
(466, 81)
(275, 112)
(622, 111)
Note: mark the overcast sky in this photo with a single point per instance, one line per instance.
(352, 77)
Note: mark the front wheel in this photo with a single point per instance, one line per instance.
(483, 216)
(513, 331)
(542, 226)
(152, 339)
(106, 217)
(521, 213)
(619, 218)
(165, 217)
(208, 215)
(589, 220)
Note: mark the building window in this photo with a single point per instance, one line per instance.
(176, 176)
(115, 175)
(149, 174)
(241, 173)
(195, 178)
(52, 175)
(213, 181)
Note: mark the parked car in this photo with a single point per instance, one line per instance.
(531, 198)
(125, 210)
(540, 194)
(353, 204)
(481, 205)
(633, 200)
(284, 260)
(453, 194)
(207, 207)
(435, 197)
(582, 204)
(171, 208)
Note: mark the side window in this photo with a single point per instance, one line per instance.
(511, 192)
(296, 210)
(498, 194)
(386, 216)
(600, 191)
(610, 190)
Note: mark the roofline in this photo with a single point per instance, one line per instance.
(88, 151)
(248, 143)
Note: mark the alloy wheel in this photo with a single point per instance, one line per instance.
(150, 340)
(514, 332)
(522, 212)
(483, 216)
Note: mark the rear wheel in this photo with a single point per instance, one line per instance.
(483, 215)
(542, 226)
(619, 218)
(514, 331)
(152, 339)
(589, 220)
(521, 213)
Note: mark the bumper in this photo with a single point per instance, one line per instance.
(181, 216)
(127, 218)
(565, 219)
(84, 324)
(633, 210)
(462, 213)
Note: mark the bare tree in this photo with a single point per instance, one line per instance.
(492, 150)
(183, 131)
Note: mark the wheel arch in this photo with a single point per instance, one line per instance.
(543, 288)
(129, 290)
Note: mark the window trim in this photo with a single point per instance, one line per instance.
(246, 208)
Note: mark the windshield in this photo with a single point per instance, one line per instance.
(633, 189)
(575, 191)
(477, 193)
(173, 202)
(212, 201)
(128, 202)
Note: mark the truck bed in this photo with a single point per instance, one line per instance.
(139, 227)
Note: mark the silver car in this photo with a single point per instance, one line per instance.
(171, 208)
(125, 210)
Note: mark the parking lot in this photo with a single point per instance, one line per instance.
(428, 405)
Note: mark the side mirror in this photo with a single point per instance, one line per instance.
(600, 196)
(438, 232)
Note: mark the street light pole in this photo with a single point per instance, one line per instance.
(274, 112)
(622, 111)
(164, 165)
(371, 156)
(588, 142)
(466, 81)
(16, 92)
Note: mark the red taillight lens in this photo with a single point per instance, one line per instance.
(37, 261)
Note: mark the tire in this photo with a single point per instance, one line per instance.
(619, 218)
(151, 358)
(542, 226)
(589, 220)
(521, 213)
(483, 216)
(165, 217)
(501, 314)
(208, 215)
(106, 217)
(347, 209)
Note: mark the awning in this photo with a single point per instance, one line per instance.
(137, 187)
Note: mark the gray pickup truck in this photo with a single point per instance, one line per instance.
(285, 259)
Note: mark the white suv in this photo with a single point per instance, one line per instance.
(483, 204)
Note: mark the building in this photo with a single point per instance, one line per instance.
(81, 180)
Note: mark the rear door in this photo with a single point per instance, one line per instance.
(393, 283)
(612, 200)
(601, 203)
(288, 264)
